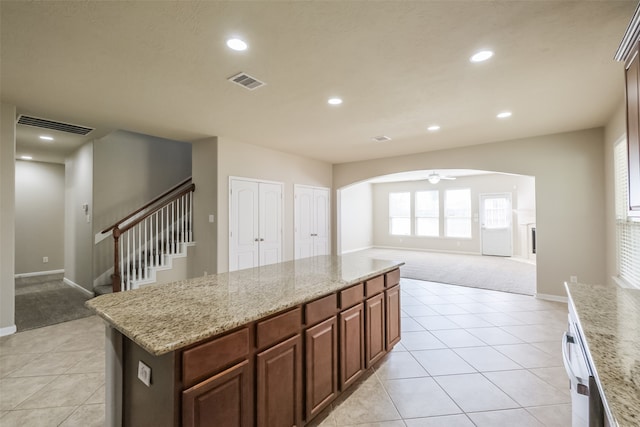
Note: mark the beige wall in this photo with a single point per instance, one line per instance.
(39, 224)
(356, 217)
(478, 184)
(569, 173)
(7, 215)
(251, 161)
(203, 256)
(78, 242)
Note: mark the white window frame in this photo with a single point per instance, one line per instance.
(392, 217)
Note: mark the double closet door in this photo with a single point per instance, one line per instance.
(311, 221)
(255, 223)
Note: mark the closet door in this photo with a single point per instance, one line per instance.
(321, 221)
(270, 223)
(244, 233)
(303, 221)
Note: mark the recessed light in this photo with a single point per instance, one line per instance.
(26, 157)
(433, 128)
(483, 55)
(46, 138)
(237, 44)
(504, 115)
(334, 101)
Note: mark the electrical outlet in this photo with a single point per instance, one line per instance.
(211, 218)
(144, 373)
(573, 279)
(45, 259)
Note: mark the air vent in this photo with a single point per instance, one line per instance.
(381, 138)
(246, 81)
(50, 124)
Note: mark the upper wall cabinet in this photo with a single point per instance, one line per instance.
(628, 52)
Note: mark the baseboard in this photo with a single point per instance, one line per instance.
(38, 273)
(75, 285)
(427, 250)
(364, 248)
(9, 330)
(549, 297)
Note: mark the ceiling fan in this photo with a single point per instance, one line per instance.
(435, 177)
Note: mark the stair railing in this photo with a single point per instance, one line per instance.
(143, 238)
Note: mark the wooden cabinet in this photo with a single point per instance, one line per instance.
(279, 384)
(375, 329)
(352, 352)
(222, 400)
(392, 298)
(321, 348)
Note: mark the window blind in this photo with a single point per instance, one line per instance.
(627, 230)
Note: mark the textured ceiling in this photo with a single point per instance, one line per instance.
(161, 67)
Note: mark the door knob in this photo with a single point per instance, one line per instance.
(262, 240)
(255, 240)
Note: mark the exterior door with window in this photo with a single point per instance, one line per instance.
(496, 230)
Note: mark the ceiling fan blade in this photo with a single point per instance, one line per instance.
(451, 178)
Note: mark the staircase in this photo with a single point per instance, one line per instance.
(150, 241)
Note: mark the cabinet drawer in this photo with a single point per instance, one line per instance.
(374, 286)
(321, 309)
(211, 357)
(278, 328)
(392, 278)
(352, 296)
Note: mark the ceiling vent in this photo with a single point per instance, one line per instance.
(50, 124)
(246, 81)
(381, 138)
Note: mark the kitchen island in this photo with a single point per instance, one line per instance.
(268, 346)
(609, 325)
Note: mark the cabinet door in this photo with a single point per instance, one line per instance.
(322, 365)
(351, 344)
(374, 317)
(393, 316)
(279, 384)
(222, 400)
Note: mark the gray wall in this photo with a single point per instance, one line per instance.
(78, 242)
(129, 170)
(570, 194)
(7, 215)
(39, 224)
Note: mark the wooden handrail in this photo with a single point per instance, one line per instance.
(140, 209)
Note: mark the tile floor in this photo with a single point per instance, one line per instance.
(468, 357)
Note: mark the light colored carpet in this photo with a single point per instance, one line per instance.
(476, 271)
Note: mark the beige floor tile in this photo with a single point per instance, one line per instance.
(398, 423)
(529, 356)
(541, 317)
(445, 421)
(527, 389)
(499, 319)
(431, 300)
(536, 333)
(473, 392)
(30, 342)
(460, 299)
(94, 362)
(476, 307)
(420, 397)
(486, 359)
(97, 397)
(511, 417)
(553, 416)
(83, 342)
(45, 417)
(448, 309)
(368, 403)
(419, 311)
(11, 362)
(494, 336)
(453, 338)
(557, 377)
(14, 391)
(420, 341)
(86, 416)
(408, 301)
(399, 365)
(436, 323)
(410, 325)
(65, 390)
(554, 348)
(51, 364)
(469, 321)
(442, 362)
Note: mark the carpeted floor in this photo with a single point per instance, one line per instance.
(47, 300)
(476, 271)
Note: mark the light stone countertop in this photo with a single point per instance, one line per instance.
(609, 318)
(164, 318)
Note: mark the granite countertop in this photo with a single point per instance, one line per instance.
(609, 318)
(164, 318)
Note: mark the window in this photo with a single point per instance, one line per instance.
(400, 214)
(627, 231)
(457, 213)
(427, 213)
(496, 212)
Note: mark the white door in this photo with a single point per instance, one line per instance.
(243, 225)
(312, 221)
(496, 225)
(270, 229)
(255, 224)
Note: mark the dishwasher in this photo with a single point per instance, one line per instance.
(586, 405)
